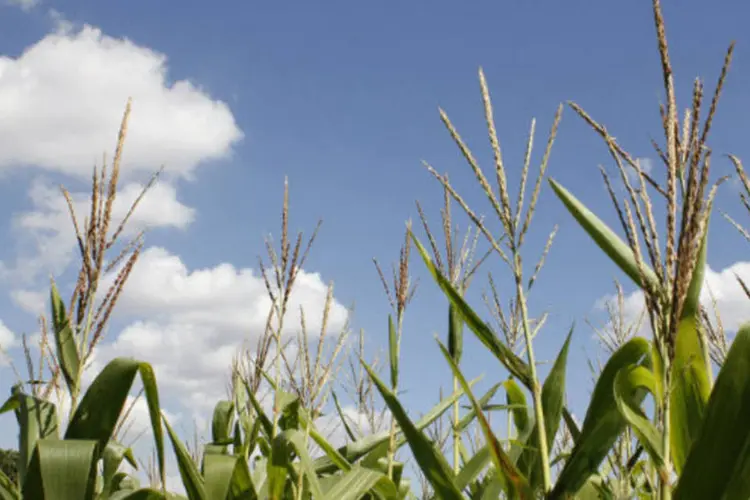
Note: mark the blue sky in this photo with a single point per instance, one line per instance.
(342, 98)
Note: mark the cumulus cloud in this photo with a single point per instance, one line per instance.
(47, 228)
(731, 301)
(24, 5)
(190, 324)
(62, 99)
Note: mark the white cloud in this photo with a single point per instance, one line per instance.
(62, 99)
(731, 301)
(48, 229)
(191, 323)
(24, 5)
(7, 341)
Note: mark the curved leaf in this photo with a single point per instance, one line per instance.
(628, 382)
(98, 412)
(191, 478)
(603, 423)
(65, 342)
(515, 397)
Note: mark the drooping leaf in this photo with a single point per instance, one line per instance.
(629, 384)
(517, 399)
(98, 412)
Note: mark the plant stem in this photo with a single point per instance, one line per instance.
(456, 432)
(536, 390)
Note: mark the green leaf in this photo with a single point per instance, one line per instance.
(98, 412)
(432, 464)
(473, 467)
(455, 333)
(357, 482)
(113, 455)
(342, 417)
(369, 444)
(605, 238)
(629, 383)
(227, 477)
(718, 465)
(222, 423)
(503, 463)
(603, 423)
(191, 478)
(515, 397)
(393, 349)
(37, 419)
(67, 349)
(296, 440)
(553, 398)
(62, 470)
(691, 386)
(483, 332)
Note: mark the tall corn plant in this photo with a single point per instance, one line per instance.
(691, 435)
(80, 460)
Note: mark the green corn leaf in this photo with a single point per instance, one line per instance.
(517, 400)
(629, 383)
(296, 441)
(222, 423)
(718, 465)
(342, 417)
(98, 412)
(393, 349)
(502, 461)
(690, 371)
(65, 342)
(483, 332)
(8, 490)
(455, 334)
(432, 463)
(603, 422)
(473, 467)
(227, 477)
(37, 419)
(371, 444)
(112, 457)
(191, 478)
(553, 397)
(357, 482)
(470, 415)
(62, 470)
(605, 238)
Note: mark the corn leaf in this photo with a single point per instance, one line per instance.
(65, 342)
(718, 465)
(605, 238)
(191, 478)
(629, 382)
(356, 483)
(553, 397)
(37, 419)
(432, 463)
(393, 349)
(62, 470)
(690, 371)
(603, 422)
(519, 408)
(98, 412)
(503, 464)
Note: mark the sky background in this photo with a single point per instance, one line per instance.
(342, 98)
